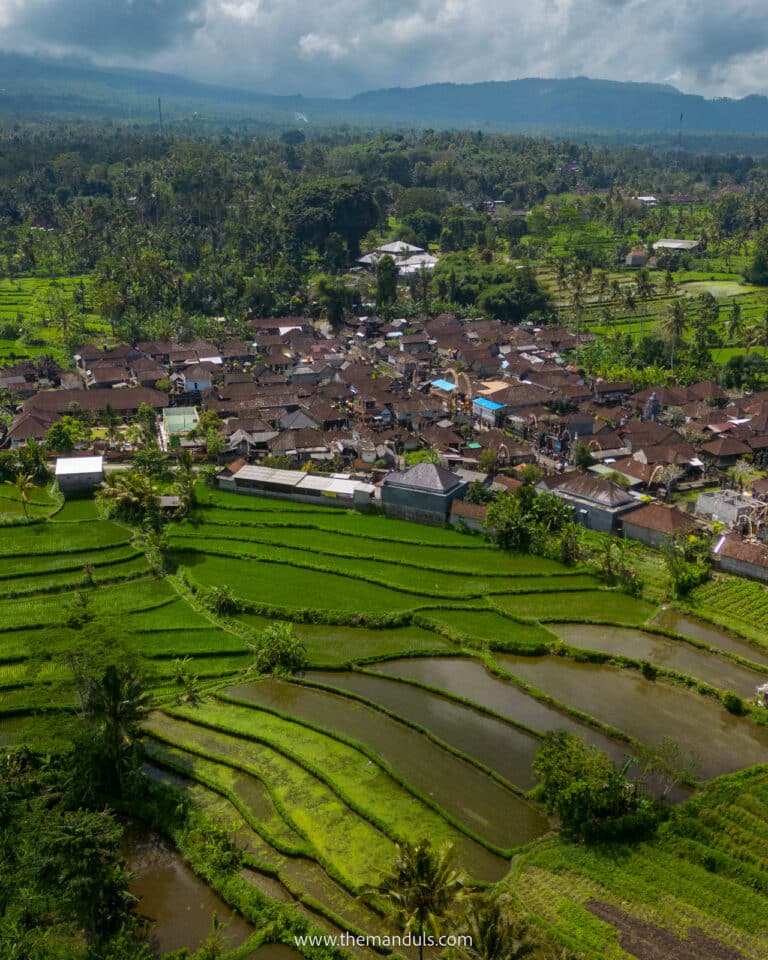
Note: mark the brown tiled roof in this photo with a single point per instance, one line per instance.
(470, 511)
(726, 447)
(303, 439)
(668, 520)
(735, 548)
(588, 487)
(129, 398)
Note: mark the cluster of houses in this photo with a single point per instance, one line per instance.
(483, 397)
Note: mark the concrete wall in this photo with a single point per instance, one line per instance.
(592, 517)
(346, 503)
(651, 538)
(404, 512)
(742, 569)
(417, 505)
(75, 483)
(469, 522)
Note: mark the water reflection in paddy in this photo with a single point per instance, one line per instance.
(469, 678)
(179, 904)
(459, 787)
(648, 710)
(674, 654)
(670, 619)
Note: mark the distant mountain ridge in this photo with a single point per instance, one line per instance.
(574, 102)
(31, 86)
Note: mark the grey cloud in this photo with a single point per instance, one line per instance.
(339, 47)
(103, 27)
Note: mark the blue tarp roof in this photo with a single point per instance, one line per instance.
(488, 404)
(444, 385)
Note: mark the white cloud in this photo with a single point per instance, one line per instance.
(313, 45)
(342, 46)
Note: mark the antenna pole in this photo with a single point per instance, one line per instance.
(160, 114)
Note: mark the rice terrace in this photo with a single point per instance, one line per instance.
(434, 665)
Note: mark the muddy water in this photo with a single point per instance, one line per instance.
(275, 951)
(670, 619)
(674, 654)
(469, 678)
(648, 710)
(463, 790)
(180, 905)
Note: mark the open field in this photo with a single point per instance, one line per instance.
(432, 676)
(26, 304)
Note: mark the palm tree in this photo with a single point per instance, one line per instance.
(578, 299)
(734, 323)
(602, 285)
(758, 333)
(673, 327)
(24, 483)
(494, 936)
(422, 889)
(114, 704)
(669, 283)
(131, 496)
(111, 422)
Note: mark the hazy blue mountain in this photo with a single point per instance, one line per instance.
(31, 86)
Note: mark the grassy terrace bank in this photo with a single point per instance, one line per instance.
(436, 663)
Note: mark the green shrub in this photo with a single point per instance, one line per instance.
(733, 703)
(649, 671)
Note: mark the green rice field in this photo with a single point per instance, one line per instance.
(435, 665)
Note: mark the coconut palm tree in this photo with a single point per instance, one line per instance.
(114, 704)
(422, 889)
(734, 323)
(758, 333)
(24, 483)
(111, 422)
(492, 935)
(673, 327)
(602, 285)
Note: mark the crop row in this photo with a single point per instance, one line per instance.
(389, 574)
(485, 560)
(359, 777)
(331, 905)
(341, 644)
(745, 600)
(51, 539)
(598, 605)
(142, 594)
(34, 564)
(133, 567)
(439, 796)
(350, 847)
(352, 524)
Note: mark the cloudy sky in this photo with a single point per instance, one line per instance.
(340, 47)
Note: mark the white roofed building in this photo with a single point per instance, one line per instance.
(75, 474)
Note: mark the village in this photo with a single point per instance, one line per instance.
(424, 420)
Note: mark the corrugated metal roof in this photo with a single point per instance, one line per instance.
(488, 404)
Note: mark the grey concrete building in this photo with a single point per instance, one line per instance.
(76, 474)
(597, 504)
(724, 506)
(423, 494)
